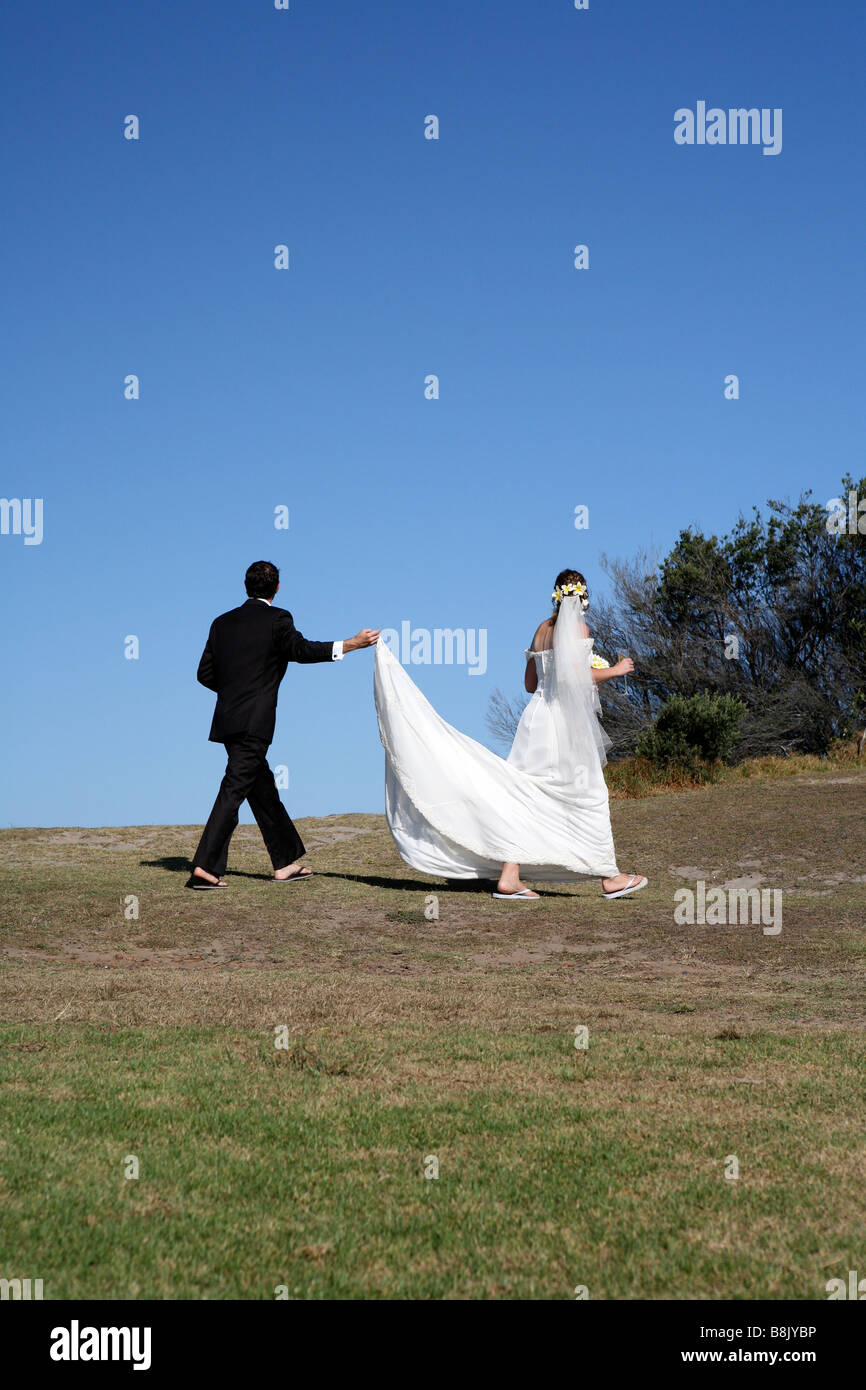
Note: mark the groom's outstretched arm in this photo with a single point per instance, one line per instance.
(295, 647)
(206, 674)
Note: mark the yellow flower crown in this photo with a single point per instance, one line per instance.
(565, 590)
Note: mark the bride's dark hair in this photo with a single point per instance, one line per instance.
(570, 577)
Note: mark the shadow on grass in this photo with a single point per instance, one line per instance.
(412, 885)
(417, 885)
(180, 864)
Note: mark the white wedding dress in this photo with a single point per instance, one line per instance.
(457, 810)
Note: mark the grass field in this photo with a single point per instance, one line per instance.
(409, 1039)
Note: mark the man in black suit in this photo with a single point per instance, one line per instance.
(244, 660)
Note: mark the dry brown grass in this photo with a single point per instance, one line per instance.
(638, 777)
(352, 947)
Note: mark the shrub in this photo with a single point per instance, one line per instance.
(693, 732)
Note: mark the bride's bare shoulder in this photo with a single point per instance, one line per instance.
(543, 636)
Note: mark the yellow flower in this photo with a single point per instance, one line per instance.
(567, 590)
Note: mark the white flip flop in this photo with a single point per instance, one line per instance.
(637, 882)
(525, 895)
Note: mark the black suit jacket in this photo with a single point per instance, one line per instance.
(244, 660)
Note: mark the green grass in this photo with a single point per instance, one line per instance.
(305, 1168)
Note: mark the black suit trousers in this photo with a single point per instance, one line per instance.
(248, 778)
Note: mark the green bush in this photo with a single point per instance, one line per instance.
(693, 732)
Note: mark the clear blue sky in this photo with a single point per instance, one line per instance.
(408, 257)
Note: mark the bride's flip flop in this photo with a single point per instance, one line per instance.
(636, 881)
(293, 878)
(201, 884)
(525, 894)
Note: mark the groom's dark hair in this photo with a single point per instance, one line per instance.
(261, 579)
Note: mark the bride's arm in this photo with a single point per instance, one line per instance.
(622, 668)
(607, 673)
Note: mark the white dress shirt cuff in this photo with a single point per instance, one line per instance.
(337, 653)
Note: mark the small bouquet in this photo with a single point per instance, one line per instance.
(598, 663)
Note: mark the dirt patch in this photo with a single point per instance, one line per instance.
(543, 951)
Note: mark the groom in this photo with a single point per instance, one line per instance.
(244, 660)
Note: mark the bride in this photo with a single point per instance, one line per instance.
(457, 810)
